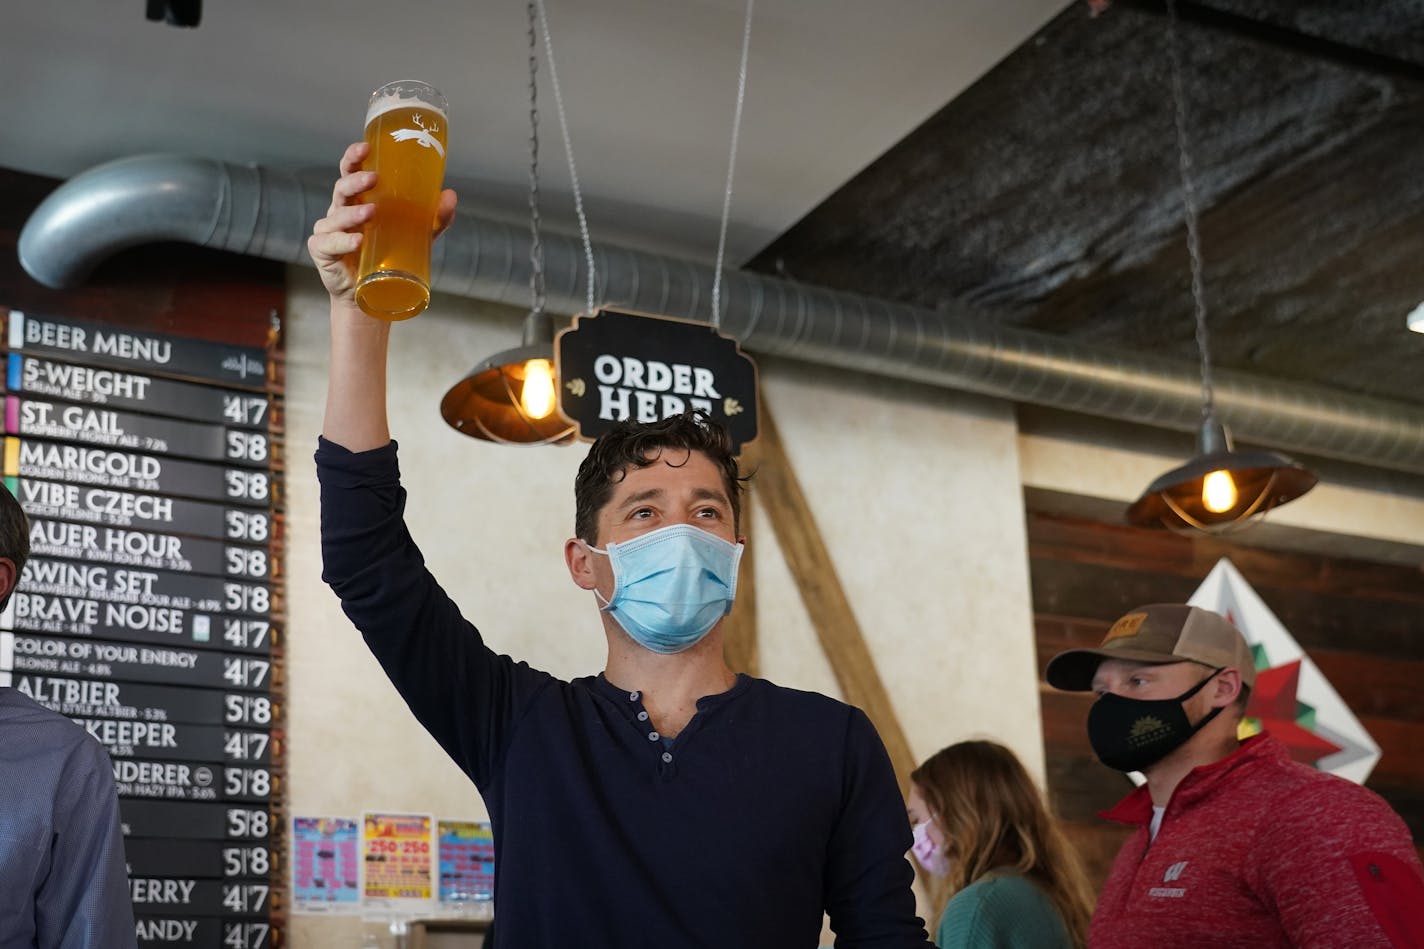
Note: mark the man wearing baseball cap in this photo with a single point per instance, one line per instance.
(1236, 844)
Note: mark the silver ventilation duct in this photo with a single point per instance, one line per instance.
(266, 213)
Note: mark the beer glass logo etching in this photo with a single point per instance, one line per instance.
(422, 136)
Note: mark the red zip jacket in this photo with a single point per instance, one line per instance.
(1257, 850)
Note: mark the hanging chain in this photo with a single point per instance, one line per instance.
(537, 7)
(1189, 204)
(568, 151)
(731, 167)
(536, 247)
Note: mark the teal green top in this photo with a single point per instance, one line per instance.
(1002, 911)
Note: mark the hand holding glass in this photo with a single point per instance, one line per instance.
(406, 129)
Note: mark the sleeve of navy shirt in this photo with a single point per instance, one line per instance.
(868, 879)
(467, 697)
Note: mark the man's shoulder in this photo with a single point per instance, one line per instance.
(800, 701)
(1313, 792)
(1296, 783)
(17, 708)
(1296, 795)
(41, 728)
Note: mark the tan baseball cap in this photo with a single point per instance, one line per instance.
(1158, 633)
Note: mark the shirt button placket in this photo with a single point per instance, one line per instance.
(653, 735)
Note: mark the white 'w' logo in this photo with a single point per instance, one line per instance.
(1174, 872)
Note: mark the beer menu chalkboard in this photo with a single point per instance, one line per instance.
(151, 609)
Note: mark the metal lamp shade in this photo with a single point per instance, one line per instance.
(1263, 480)
(486, 403)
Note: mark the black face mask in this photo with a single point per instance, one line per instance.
(1132, 734)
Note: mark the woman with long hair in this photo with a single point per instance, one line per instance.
(993, 851)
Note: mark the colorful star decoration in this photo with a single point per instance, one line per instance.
(1292, 699)
(1274, 707)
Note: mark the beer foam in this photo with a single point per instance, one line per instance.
(392, 100)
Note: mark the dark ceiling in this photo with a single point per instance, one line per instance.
(1048, 194)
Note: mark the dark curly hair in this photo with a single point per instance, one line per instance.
(639, 444)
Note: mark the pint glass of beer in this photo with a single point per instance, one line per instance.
(406, 129)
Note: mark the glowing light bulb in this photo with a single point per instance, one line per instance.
(537, 396)
(1219, 492)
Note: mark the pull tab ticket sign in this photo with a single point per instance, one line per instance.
(397, 857)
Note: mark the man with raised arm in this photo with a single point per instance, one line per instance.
(667, 801)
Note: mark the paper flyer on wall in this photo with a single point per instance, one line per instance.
(466, 865)
(396, 859)
(326, 866)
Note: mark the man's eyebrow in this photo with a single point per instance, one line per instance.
(651, 494)
(1133, 670)
(638, 497)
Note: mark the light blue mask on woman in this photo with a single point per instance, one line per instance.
(671, 586)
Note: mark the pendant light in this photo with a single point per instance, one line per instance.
(512, 397)
(1220, 489)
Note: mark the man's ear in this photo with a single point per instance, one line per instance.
(1227, 686)
(9, 576)
(579, 560)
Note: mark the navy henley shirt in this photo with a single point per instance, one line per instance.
(769, 807)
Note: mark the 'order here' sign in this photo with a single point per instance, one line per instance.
(618, 365)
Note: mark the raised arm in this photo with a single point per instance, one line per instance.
(356, 386)
(464, 695)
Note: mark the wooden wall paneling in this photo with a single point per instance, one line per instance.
(1385, 628)
(1393, 689)
(1059, 537)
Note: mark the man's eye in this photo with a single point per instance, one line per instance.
(643, 512)
(709, 512)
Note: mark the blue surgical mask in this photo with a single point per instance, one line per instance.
(671, 586)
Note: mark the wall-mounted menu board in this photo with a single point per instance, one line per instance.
(151, 610)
